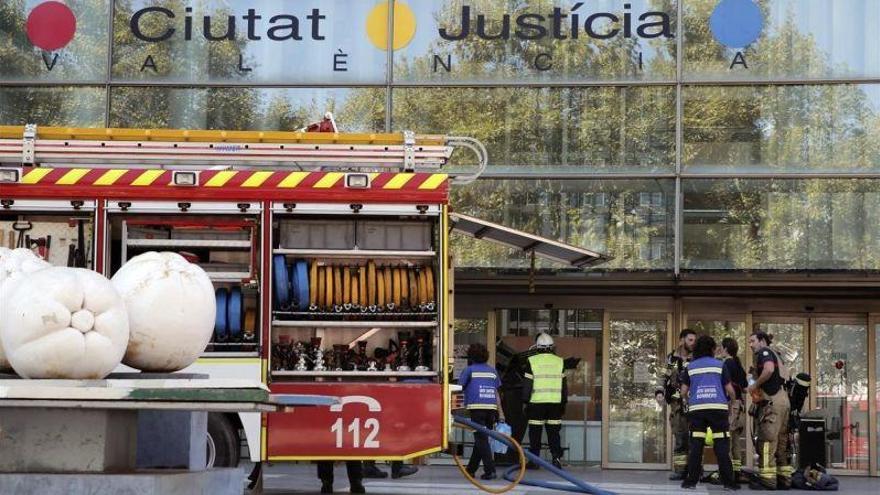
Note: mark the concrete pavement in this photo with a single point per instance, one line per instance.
(282, 479)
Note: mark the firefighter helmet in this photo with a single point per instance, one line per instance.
(544, 341)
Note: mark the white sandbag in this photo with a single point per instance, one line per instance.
(14, 264)
(171, 307)
(63, 323)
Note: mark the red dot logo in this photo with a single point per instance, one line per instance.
(51, 25)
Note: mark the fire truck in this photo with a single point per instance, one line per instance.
(329, 253)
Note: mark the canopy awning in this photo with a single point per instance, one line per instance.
(517, 239)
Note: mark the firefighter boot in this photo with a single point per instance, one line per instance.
(401, 470)
(371, 471)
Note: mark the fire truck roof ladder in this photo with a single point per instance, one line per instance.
(175, 149)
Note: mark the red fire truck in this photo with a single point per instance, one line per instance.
(329, 254)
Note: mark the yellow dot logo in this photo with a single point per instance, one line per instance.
(404, 26)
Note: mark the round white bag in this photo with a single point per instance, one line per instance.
(63, 323)
(171, 307)
(14, 263)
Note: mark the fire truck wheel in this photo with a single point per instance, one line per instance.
(224, 446)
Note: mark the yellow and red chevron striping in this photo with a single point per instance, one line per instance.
(227, 179)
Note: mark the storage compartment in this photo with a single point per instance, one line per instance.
(355, 298)
(225, 246)
(52, 237)
(394, 235)
(317, 234)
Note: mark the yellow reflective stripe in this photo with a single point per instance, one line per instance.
(803, 383)
(221, 178)
(482, 406)
(293, 179)
(530, 376)
(329, 180)
(398, 181)
(536, 422)
(433, 182)
(35, 175)
(110, 177)
(72, 177)
(703, 407)
(765, 461)
(554, 421)
(700, 371)
(698, 434)
(147, 178)
(256, 179)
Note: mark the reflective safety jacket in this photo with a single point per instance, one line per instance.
(706, 379)
(480, 383)
(546, 370)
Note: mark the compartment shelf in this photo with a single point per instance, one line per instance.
(342, 374)
(353, 324)
(229, 354)
(229, 276)
(352, 253)
(214, 243)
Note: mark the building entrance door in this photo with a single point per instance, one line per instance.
(635, 435)
(833, 349)
(840, 374)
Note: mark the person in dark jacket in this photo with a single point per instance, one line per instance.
(728, 353)
(706, 389)
(480, 383)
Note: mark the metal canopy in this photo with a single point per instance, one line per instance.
(517, 239)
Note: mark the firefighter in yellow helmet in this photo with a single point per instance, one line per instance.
(771, 416)
(546, 394)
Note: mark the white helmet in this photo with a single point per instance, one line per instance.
(544, 341)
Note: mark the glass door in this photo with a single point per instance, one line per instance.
(636, 430)
(840, 372)
(875, 319)
(790, 338)
(834, 350)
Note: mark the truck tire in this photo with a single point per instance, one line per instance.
(224, 445)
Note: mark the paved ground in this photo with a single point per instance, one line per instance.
(301, 478)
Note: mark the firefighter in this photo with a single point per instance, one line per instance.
(676, 361)
(771, 415)
(480, 383)
(706, 389)
(546, 394)
(728, 353)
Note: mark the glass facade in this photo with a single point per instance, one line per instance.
(642, 129)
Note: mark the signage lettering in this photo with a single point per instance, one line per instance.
(281, 27)
(531, 26)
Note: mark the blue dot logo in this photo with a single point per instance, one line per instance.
(736, 23)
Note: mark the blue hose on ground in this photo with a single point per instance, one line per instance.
(577, 485)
